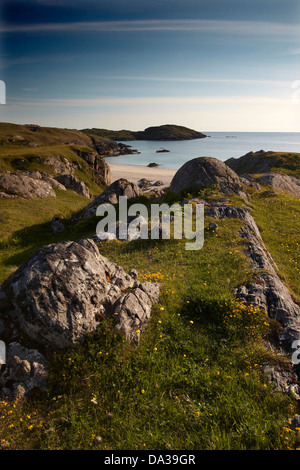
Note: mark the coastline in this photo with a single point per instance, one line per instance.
(134, 173)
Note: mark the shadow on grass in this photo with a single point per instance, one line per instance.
(25, 242)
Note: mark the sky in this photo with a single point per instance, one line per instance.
(211, 65)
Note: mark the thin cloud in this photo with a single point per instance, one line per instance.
(284, 31)
(198, 80)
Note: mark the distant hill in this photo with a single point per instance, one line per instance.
(165, 132)
(264, 162)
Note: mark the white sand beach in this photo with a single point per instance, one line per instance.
(134, 173)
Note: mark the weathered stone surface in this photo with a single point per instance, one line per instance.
(120, 187)
(65, 290)
(45, 177)
(284, 380)
(59, 164)
(23, 185)
(206, 171)
(134, 310)
(97, 163)
(70, 182)
(252, 162)
(267, 291)
(281, 182)
(25, 370)
(144, 183)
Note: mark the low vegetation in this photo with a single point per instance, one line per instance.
(194, 381)
(196, 378)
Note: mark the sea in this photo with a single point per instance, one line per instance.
(221, 145)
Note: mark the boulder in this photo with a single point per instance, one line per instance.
(25, 370)
(204, 172)
(57, 226)
(21, 184)
(282, 182)
(59, 164)
(65, 290)
(120, 187)
(39, 175)
(70, 182)
(134, 309)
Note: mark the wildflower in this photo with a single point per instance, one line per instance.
(138, 332)
(191, 322)
(154, 349)
(143, 391)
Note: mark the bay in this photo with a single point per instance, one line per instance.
(221, 145)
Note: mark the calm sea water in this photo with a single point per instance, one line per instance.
(221, 145)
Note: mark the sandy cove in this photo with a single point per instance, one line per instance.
(134, 173)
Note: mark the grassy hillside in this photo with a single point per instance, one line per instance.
(15, 133)
(194, 381)
(121, 135)
(278, 218)
(196, 378)
(28, 148)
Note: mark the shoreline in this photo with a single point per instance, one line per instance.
(134, 173)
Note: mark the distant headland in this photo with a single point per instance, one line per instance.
(164, 132)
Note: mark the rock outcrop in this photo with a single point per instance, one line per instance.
(21, 184)
(281, 182)
(70, 182)
(25, 370)
(204, 172)
(120, 187)
(267, 290)
(97, 163)
(65, 290)
(29, 184)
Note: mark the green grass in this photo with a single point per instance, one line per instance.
(25, 226)
(195, 379)
(278, 218)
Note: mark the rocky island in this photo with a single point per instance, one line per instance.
(165, 132)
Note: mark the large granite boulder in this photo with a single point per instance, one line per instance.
(204, 172)
(65, 290)
(120, 187)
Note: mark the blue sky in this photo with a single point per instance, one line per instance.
(213, 65)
